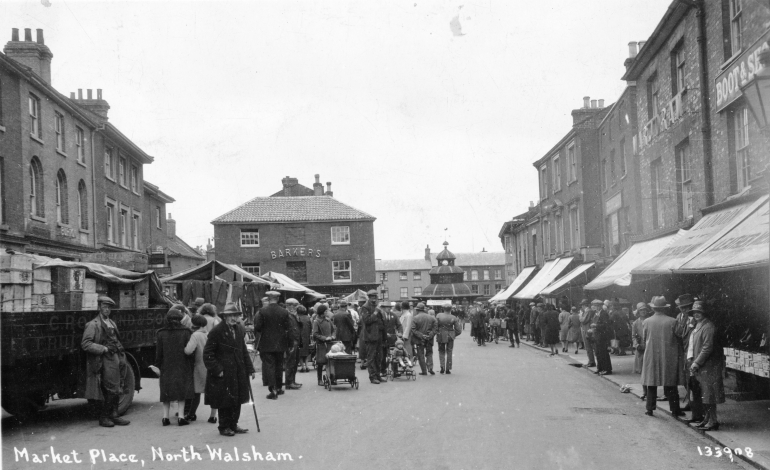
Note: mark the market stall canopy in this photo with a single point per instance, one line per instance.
(288, 284)
(524, 276)
(357, 296)
(745, 246)
(703, 234)
(576, 277)
(203, 273)
(550, 271)
(619, 271)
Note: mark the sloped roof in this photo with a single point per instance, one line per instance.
(298, 189)
(178, 247)
(401, 265)
(484, 258)
(292, 209)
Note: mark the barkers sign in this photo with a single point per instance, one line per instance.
(740, 72)
(288, 252)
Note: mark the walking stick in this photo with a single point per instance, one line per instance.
(254, 406)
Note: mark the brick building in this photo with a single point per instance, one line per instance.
(314, 239)
(403, 278)
(519, 244)
(570, 217)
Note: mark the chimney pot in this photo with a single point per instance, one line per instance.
(531, 204)
(601, 103)
(98, 93)
(72, 95)
(632, 50)
(80, 93)
(169, 215)
(27, 34)
(89, 93)
(317, 178)
(585, 101)
(593, 103)
(641, 44)
(40, 39)
(15, 34)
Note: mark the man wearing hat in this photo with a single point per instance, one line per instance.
(373, 332)
(274, 324)
(346, 327)
(448, 329)
(534, 315)
(587, 314)
(291, 360)
(684, 326)
(199, 301)
(228, 368)
(407, 317)
(661, 357)
(393, 331)
(424, 328)
(106, 365)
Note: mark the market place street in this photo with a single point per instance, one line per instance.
(500, 408)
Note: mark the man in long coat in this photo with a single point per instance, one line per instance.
(371, 317)
(512, 325)
(292, 352)
(106, 365)
(587, 314)
(684, 326)
(424, 328)
(275, 327)
(661, 357)
(346, 328)
(448, 329)
(392, 331)
(228, 368)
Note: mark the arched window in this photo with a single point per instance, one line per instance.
(62, 213)
(83, 205)
(36, 196)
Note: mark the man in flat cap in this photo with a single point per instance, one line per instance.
(373, 328)
(392, 331)
(106, 365)
(228, 367)
(274, 324)
(292, 352)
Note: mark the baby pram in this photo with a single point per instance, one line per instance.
(340, 368)
(401, 371)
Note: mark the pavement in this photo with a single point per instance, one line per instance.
(743, 424)
(501, 408)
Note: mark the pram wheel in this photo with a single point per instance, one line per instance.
(356, 382)
(327, 385)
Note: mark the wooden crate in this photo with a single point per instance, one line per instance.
(15, 276)
(67, 279)
(20, 262)
(142, 300)
(68, 300)
(16, 305)
(90, 301)
(43, 302)
(41, 287)
(89, 286)
(41, 274)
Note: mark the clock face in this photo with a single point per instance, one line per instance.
(445, 262)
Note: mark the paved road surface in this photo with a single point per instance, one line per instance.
(501, 408)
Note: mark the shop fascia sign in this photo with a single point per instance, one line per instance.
(297, 251)
(668, 115)
(740, 72)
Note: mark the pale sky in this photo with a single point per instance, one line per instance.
(421, 127)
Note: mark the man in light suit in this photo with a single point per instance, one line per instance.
(448, 329)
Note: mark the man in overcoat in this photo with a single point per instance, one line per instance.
(587, 314)
(374, 328)
(227, 370)
(512, 325)
(661, 357)
(346, 328)
(274, 324)
(367, 310)
(424, 328)
(292, 351)
(534, 325)
(392, 331)
(106, 365)
(448, 329)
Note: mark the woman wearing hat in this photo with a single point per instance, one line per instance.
(305, 330)
(176, 368)
(706, 363)
(642, 311)
(194, 348)
(323, 334)
(603, 333)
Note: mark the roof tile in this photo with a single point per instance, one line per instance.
(292, 209)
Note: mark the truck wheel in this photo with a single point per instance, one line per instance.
(127, 398)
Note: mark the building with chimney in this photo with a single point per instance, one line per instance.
(47, 197)
(304, 233)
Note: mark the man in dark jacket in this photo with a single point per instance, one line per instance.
(346, 328)
(374, 327)
(274, 324)
(292, 353)
(228, 369)
(512, 325)
(424, 328)
(392, 331)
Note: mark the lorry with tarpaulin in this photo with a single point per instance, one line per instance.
(40, 338)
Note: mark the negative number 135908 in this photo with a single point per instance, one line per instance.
(720, 451)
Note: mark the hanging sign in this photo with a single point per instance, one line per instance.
(740, 72)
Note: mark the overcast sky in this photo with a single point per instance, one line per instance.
(425, 114)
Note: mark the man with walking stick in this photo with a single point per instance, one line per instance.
(229, 367)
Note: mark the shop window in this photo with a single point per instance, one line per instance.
(683, 181)
(341, 271)
(297, 270)
(341, 235)
(250, 237)
(498, 287)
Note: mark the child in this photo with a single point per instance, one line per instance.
(195, 347)
(400, 358)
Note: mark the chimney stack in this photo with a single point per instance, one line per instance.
(90, 96)
(318, 188)
(288, 186)
(97, 106)
(632, 50)
(601, 103)
(593, 103)
(427, 252)
(586, 100)
(531, 204)
(641, 45)
(35, 55)
(329, 189)
(170, 226)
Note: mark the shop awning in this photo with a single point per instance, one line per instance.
(619, 271)
(203, 273)
(517, 284)
(576, 277)
(702, 235)
(745, 246)
(289, 284)
(550, 271)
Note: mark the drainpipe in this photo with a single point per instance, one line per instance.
(93, 188)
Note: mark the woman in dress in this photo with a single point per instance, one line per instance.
(552, 327)
(176, 368)
(573, 334)
(209, 312)
(603, 333)
(642, 312)
(194, 348)
(564, 326)
(706, 362)
(323, 334)
(305, 330)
